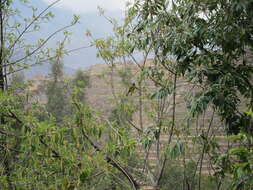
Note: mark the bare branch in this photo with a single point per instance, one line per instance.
(32, 22)
(44, 60)
(113, 162)
(40, 46)
(109, 160)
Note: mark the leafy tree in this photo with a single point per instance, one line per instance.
(37, 154)
(17, 54)
(139, 98)
(236, 164)
(81, 82)
(204, 42)
(18, 84)
(208, 39)
(210, 42)
(57, 96)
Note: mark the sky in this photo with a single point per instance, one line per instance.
(90, 19)
(89, 6)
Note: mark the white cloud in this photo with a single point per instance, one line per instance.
(85, 6)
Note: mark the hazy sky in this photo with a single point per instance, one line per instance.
(90, 20)
(88, 6)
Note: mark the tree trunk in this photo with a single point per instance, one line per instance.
(6, 160)
(1, 47)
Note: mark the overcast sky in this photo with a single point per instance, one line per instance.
(90, 20)
(88, 6)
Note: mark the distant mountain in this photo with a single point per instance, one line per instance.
(45, 69)
(91, 21)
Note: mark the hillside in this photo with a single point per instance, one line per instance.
(107, 90)
(101, 98)
(45, 69)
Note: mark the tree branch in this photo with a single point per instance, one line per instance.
(40, 46)
(44, 60)
(32, 22)
(109, 160)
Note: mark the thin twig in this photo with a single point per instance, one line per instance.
(41, 45)
(44, 60)
(32, 22)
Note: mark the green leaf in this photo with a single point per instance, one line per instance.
(176, 150)
(84, 175)
(161, 93)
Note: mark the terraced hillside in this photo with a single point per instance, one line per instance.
(109, 88)
(106, 92)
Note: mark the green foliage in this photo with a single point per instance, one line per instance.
(81, 82)
(237, 163)
(17, 53)
(42, 155)
(38, 151)
(207, 40)
(58, 103)
(210, 43)
(161, 93)
(123, 113)
(178, 177)
(176, 150)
